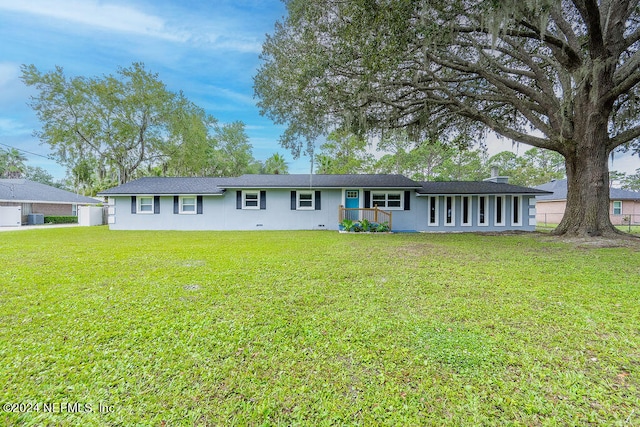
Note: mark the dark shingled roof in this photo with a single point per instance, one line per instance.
(25, 191)
(475, 187)
(558, 190)
(163, 185)
(321, 181)
(157, 185)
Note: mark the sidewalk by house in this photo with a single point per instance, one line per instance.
(37, 227)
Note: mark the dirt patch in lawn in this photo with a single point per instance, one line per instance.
(621, 241)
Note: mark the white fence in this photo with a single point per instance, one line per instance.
(10, 216)
(90, 215)
(551, 218)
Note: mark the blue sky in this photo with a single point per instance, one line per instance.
(209, 49)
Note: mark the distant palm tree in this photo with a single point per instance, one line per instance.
(325, 164)
(12, 163)
(276, 165)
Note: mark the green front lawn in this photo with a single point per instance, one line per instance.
(316, 328)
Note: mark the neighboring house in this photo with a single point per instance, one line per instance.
(35, 198)
(311, 202)
(624, 205)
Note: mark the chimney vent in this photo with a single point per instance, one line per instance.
(495, 176)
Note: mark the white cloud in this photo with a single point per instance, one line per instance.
(236, 97)
(111, 17)
(12, 127)
(9, 73)
(117, 18)
(624, 162)
(238, 42)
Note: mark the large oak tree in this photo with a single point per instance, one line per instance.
(559, 75)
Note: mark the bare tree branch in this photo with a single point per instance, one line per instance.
(624, 137)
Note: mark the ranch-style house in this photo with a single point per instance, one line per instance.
(320, 202)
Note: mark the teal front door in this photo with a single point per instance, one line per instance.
(352, 201)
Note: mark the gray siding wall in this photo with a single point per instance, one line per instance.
(220, 213)
(526, 215)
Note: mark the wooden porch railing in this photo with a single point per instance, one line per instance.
(373, 214)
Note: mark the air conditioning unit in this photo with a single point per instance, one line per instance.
(35, 219)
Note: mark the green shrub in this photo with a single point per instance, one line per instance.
(347, 224)
(60, 219)
(383, 227)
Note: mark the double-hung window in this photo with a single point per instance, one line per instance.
(305, 200)
(387, 200)
(145, 204)
(617, 207)
(188, 204)
(251, 200)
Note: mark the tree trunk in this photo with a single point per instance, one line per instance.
(587, 211)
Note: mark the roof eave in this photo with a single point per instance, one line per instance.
(56, 202)
(156, 193)
(323, 187)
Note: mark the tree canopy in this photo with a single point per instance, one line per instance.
(343, 153)
(111, 129)
(12, 163)
(560, 75)
(124, 121)
(276, 165)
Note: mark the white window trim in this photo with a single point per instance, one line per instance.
(469, 211)
(437, 211)
(502, 211)
(244, 200)
(453, 211)
(520, 210)
(181, 210)
(613, 207)
(139, 207)
(386, 200)
(486, 211)
(306, 208)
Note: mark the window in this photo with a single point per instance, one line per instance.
(499, 218)
(450, 215)
(250, 200)
(433, 210)
(245, 199)
(394, 200)
(482, 210)
(515, 211)
(145, 204)
(352, 194)
(305, 200)
(617, 207)
(188, 205)
(387, 200)
(466, 210)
